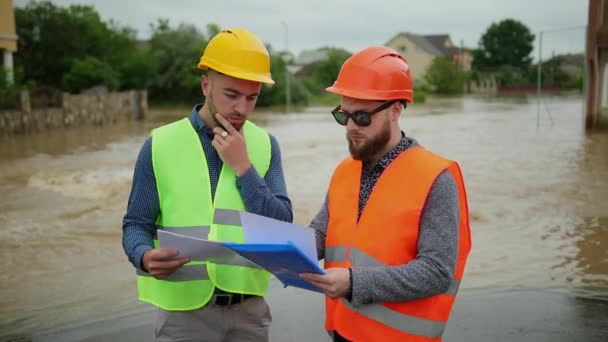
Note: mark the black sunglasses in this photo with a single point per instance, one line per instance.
(360, 118)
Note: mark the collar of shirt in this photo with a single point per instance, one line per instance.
(199, 125)
(403, 145)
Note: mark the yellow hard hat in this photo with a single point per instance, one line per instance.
(238, 53)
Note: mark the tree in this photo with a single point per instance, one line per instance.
(326, 71)
(276, 94)
(175, 53)
(52, 38)
(132, 65)
(444, 77)
(563, 71)
(90, 72)
(9, 92)
(213, 30)
(508, 42)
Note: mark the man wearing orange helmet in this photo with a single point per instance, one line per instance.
(213, 159)
(394, 228)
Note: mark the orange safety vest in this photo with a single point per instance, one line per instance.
(387, 234)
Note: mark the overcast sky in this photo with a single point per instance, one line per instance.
(355, 24)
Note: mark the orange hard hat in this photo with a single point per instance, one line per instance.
(375, 73)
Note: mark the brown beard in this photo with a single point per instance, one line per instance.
(371, 147)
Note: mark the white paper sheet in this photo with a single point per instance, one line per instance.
(194, 248)
(264, 230)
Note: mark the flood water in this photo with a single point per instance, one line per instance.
(538, 199)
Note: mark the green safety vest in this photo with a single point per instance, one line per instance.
(186, 206)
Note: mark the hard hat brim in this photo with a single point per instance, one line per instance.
(372, 95)
(234, 72)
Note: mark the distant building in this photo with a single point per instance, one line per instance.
(8, 37)
(420, 50)
(311, 56)
(304, 62)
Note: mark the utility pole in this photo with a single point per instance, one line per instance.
(540, 64)
(287, 76)
(538, 77)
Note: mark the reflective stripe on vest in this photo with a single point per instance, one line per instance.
(359, 258)
(227, 217)
(398, 321)
(200, 232)
(396, 200)
(187, 207)
(184, 273)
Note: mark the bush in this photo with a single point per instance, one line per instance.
(419, 95)
(175, 52)
(8, 92)
(89, 72)
(444, 77)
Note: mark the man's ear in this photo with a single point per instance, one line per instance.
(396, 110)
(205, 85)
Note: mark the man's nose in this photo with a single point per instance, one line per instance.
(351, 125)
(241, 106)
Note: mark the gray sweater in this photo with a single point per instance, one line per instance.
(431, 272)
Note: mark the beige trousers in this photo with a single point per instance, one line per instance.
(245, 321)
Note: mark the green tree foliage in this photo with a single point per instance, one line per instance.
(553, 71)
(132, 65)
(72, 48)
(508, 42)
(325, 72)
(563, 71)
(510, 76)
(420, 93)
(213, 30)
(175, 53)
(52, 38)
(90, 72)
(9, 92)
(276, 94)
(444, 77)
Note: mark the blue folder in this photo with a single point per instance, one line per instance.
(284, 261)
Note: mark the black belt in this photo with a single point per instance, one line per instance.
(221, 298)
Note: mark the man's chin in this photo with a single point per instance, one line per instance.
(355, 153)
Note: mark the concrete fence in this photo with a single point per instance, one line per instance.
(486, 85)
(75, 110)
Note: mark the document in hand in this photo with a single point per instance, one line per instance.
(283, 249)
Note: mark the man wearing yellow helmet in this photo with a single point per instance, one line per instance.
(214, 159)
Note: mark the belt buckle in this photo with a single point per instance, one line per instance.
(228, 296)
